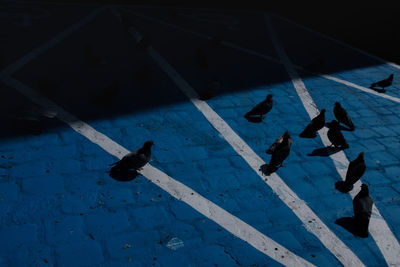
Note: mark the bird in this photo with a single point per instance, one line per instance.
(93, 59)
(362, 206)
(342, 116)
(280, 153)
(278, 141)
(211, 89)
(314, 126)
(108, 94)
(335, 136)
(355, 170)
(261, 108)
(134, 160)
(384, 83)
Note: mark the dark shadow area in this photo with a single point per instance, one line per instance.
(324, 151)
(123, 175)
(254, 119)
(349, 224)
(104, 88)
(266, 169)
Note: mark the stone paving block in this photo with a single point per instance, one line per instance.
(115, 197)
(64, 229)
(101, 224)
(286, 237)
(217, 256)
(70, 166)
(8, 192)
(27, 256)
(18, 236)
(396, 186)
(84, 253)
(372, 145)
(365, 133)
(121, 246)
(28, 169)
(152, 216)
(213, 165)
(167, 156)
(79, 204)
(384, 131)
(374, 177)
(48, 185)
(171, 257)
(193, 153)
(384, 194)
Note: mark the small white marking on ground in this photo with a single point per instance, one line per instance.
(175, 188)
(260, 55)
(290, 198)
(37, 51)
(378, 228)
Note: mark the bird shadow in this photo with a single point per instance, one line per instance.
(347, 223)
(267, 170)
(340, 185)
(324, 152)
(383, 90)
(122, 175)
(254, 119)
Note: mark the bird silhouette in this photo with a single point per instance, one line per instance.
(134, 160)
(280, 153)
(108, 94)
(342, 116)
(362, 206)
(335, 136)
(384, 83)
(278, 141)
(261, 108)
(355, 170)
(314, 126)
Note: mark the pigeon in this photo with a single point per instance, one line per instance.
(342, 116)
(355, 170)
(134, 160)
(210, 90)
(92, 58)
(108, 94)
(384, 83)
(280, 153)
(201, 58)
(261, 108)
(278, 141)
(314, 126)
(362, 205)
(335, 136)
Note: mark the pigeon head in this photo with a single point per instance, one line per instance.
(148, 144)
(361, 155)
(286, 135)
(391, 76)
(337, 104)
(323, 111)
(269, 97)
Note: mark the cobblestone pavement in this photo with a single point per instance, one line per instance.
(60, 207)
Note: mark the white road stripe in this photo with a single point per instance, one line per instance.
(339, 42)
(178, 190)
(260, 55)
(310, 220)
(37, 51)
(378, 228)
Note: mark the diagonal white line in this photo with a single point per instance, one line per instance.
(378, 228)
(49, 44)
(263, 56)
(175, 188)
(310, 220)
